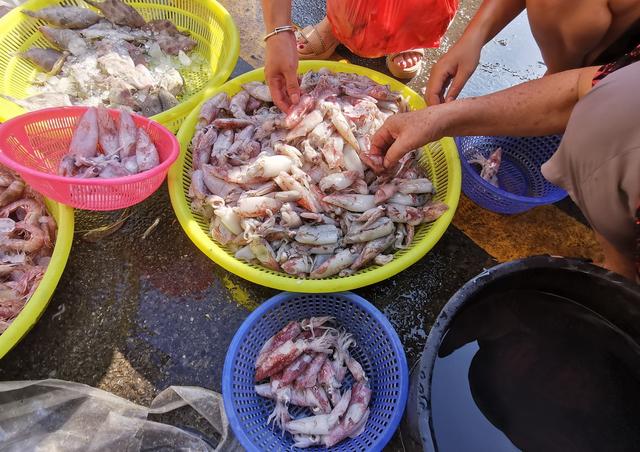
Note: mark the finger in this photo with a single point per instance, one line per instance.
(457, 84)
(292, 87)
(382, 140)
(278, 94)
(438, 81)
(395, 152)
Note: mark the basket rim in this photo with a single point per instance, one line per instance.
(148, 123)
(208, 246)
(283, 298)
(537, 201)
(38, 302)
(226, 64)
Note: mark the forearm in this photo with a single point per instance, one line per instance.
(276, 13)
(538, 107)
(491, 17)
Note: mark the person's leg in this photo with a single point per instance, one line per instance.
(616, 261)
(316, 41)
(567, 31)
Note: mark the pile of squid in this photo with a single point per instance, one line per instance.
(100, 147)
(302, 192)
(27, 237)
(307, 363)
(115, 58)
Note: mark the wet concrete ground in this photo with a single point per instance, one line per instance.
(134, 315)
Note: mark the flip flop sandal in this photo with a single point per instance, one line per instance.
(405, 73)
(312, 40)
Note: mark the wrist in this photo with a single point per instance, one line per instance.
(281, 30)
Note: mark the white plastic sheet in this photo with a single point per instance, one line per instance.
(55, 415)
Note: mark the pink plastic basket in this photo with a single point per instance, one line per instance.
(34, 143)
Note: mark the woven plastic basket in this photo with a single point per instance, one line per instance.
(521, 185)
(378, 349)
(34, 143)
(40, 298)
(206, 21)
(439, 159)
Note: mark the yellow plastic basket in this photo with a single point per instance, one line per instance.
(206, 21)
(40, 298)
(440, 160)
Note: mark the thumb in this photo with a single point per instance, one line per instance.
(292, 86)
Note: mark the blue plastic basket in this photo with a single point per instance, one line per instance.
(521, 183)
(378, 349)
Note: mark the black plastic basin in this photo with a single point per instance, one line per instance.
(540, 354)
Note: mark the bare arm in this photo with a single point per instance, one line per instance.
(459, 63)
(538, 107)
(281, 60)
(491, 18)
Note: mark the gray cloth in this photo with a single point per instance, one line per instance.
(598, 161)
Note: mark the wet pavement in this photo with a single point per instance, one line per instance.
(133, 315)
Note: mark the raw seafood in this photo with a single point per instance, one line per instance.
(313, 380)
(66, 16)
(27, 237)
(489, 167)
(117, 60)
(101, 148)
(300, 193)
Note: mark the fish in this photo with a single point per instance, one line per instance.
(119, 13)
(72, 17)
(47, 60)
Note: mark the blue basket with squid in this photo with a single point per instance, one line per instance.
(378, 349)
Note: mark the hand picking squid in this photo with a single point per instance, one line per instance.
(306, 364)
(301, 193)
(27, 237)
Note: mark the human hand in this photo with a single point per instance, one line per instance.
(280, 70)
(402, 133)
(452, 71)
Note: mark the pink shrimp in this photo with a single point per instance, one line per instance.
(33, 243)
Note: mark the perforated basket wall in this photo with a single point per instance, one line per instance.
(206, 21)
(378, 349)
(440, 161)
(34, 143)
(521, 183)
(38, 302)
